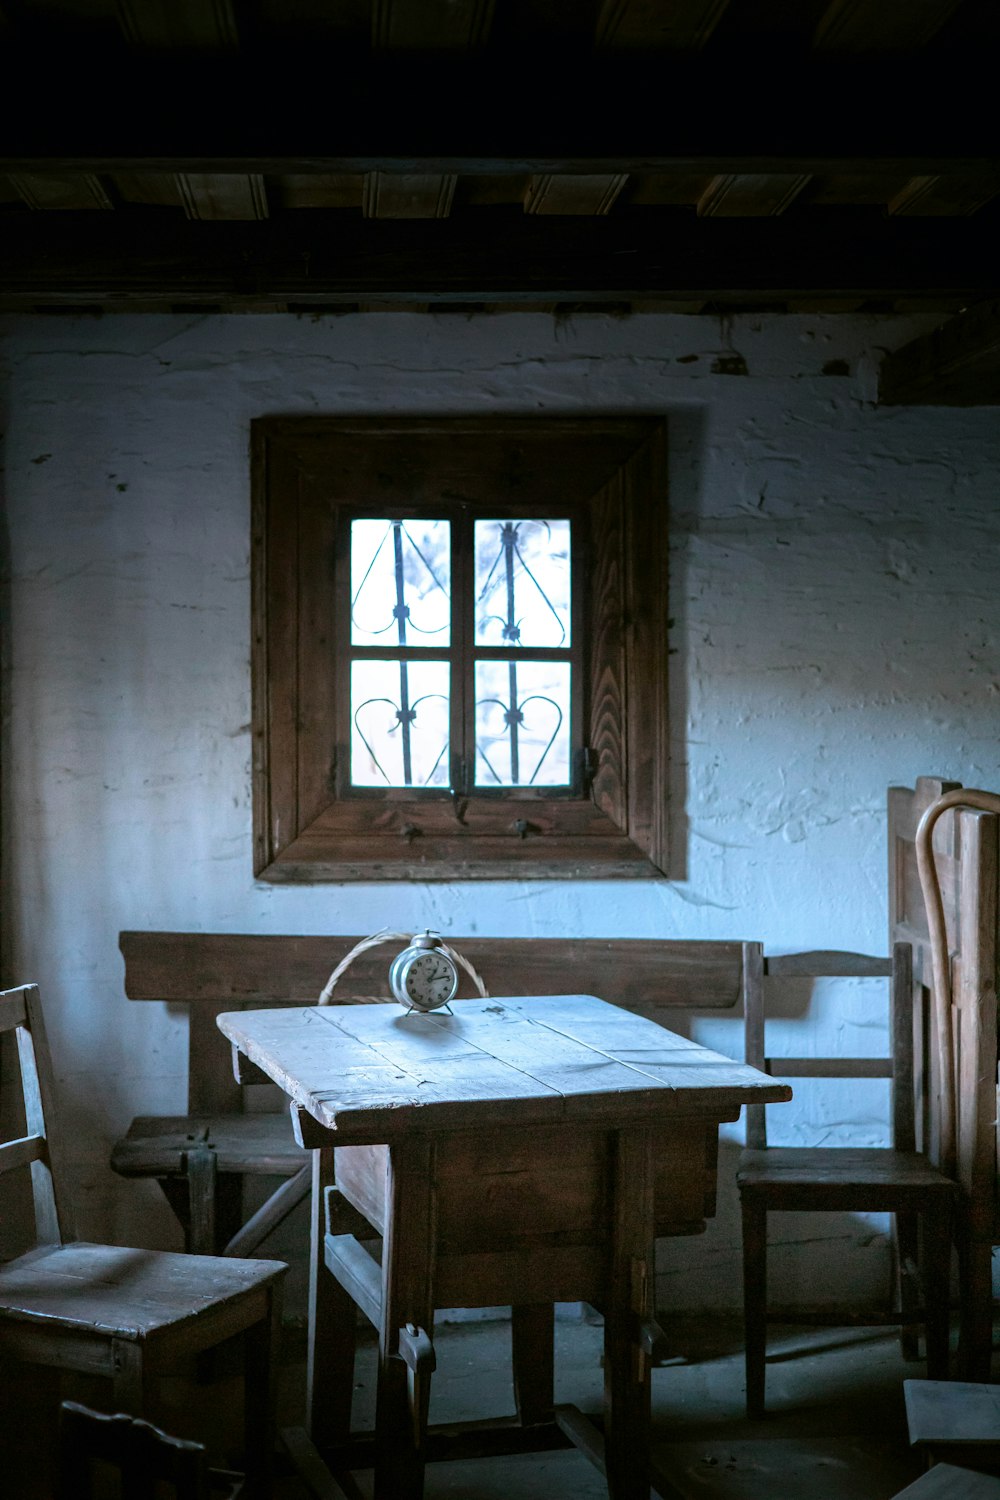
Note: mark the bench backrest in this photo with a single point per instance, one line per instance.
(216, 972)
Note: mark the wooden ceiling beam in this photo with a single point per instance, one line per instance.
(583, 194)
(327, 257)
(431, 25)
(71, 190)
(179, 25)
(746, 195)
(222, 195)
(189, 116)
(955, 365)
(864, 27)
(427, 196)
(656, 25)
(925, 197)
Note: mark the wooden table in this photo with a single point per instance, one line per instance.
(518, 1151)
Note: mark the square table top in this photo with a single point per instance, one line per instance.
(373, 1072)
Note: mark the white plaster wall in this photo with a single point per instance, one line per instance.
(836, 629)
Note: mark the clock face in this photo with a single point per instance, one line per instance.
(430, 980)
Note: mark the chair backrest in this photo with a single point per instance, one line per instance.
(761, 971)
(146, 1458)
(966, 846)
(40, 1146)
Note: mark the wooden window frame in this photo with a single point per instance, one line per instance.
(304, 471)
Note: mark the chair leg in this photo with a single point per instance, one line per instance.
(532, 1352)
(407, 1305)
(332, 1328)
(202, 1175)
(936, 1272)
(628, 1305)
(262, 1360)
(131, 1381)
(754, 1300)
(975, 1342)
(905, 1263)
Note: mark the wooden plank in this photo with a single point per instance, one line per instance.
(606, 585)
(645, 586)
(270, 1214)
(261, 119)
(428, 195)
(627, 1304)
(330, 259)
(406, 1303)
(940, 1412)
(180, 25)
(53, 190)
(957, 364)
(369, 1074)
(155, 1145)
(753, 1037)
(20, 1153)
(656, 25)
(357, 1272)
(974, 1012)
(429, 26)
(829, 1067)
(147, 1292)
(944, 196)
(212, 1089)
(856, 26)
(583, 194)
(262, 969)
(749, 195)
(222, 195)
(12, 1008)
(309, 1466)
(826, 964)
(948, 1482)
(531, 1273)
(50, 1178)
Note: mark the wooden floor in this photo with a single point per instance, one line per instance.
(836, 1428)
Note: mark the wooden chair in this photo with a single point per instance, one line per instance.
(124, 1313)
(149, 1462)
(894, 1179)
(966, 856)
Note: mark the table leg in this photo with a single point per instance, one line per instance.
(628, 1305)
(407, 1301)
(532, 1357)
(332, 1327)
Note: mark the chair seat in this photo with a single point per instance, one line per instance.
(129, 1294)
(838, 1169)
(158, 1145)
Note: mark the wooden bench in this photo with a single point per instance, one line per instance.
(201, 1158)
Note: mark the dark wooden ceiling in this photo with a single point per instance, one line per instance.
(674, 154)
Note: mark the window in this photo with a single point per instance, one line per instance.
(459, 656)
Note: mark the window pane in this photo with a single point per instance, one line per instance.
(399, 723)
(522, 583)
(400, 583)
(522, 723)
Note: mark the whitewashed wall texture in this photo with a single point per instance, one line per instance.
(836, 624)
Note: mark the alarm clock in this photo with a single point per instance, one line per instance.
(424, 976)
